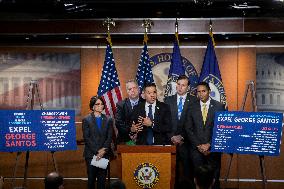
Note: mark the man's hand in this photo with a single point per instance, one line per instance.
(136, 127)
(177, 139)
(145, 121)
(101, 153)
(204, 148)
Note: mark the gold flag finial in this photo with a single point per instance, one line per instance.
(176, 31)
(211, 32)
(176, 26)
(108, 22)
(147, 24)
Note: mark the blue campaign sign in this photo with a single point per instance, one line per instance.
(247, 133)
(37, 130)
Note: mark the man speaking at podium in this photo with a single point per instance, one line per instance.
(199, 126)
(151, 120)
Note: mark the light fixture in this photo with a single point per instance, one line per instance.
(245, 6)
(203, 2)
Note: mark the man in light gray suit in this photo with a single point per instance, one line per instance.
(180, 104)
(199, 126)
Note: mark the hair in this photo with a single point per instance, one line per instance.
(94, 99)
(204, 176)
(149, 85)
(203, 83)
(53, 181)
(118, 184)
(131, 81)
(181, 77)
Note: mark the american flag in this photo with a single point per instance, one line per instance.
(109, 87)
(144, 72)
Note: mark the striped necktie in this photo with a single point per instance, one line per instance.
(179, 107)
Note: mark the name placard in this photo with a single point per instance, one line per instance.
(247, 133)
(37, 130)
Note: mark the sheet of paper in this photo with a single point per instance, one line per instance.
(102, 163)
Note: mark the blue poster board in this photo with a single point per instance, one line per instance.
(37, 130)
(247, 133)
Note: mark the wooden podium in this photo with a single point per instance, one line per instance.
(137, 161)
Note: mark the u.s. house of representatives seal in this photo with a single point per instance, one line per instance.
(160, 68)
(146, 175)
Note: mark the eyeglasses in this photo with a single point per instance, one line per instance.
(97, 104)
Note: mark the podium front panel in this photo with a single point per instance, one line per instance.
(158, 165)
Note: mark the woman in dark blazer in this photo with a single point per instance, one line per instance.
(97, 134)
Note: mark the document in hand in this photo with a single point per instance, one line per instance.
(102, 163)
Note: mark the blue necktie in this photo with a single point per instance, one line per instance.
(179, 107)
(149, 129)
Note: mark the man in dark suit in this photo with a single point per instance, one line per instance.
(124, 110)
(151, 120)
(180, 103)
(199, 126)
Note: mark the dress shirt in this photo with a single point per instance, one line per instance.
(153, 108)
(207, 104)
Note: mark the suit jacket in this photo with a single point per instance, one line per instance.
(161, 123)
(197, 132)
(178, 125)
(96, 138)
(123, 119)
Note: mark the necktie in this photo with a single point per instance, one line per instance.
(204, 113)
(179, 107)
(149, 129)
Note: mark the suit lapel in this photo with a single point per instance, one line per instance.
(128, 105)
(103, 123)
(199, 112)
(174, 104)
(210, 112)
(185, 106)
(96, 127)
(157, 111)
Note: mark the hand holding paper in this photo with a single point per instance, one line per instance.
(100, 163)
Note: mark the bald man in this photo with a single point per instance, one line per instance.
(53, 181)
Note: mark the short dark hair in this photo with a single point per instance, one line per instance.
(204, 176)
(181, 77)
(53, 181)
(149, 85)
(94, 99)
(204, 84)
(117, 184)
